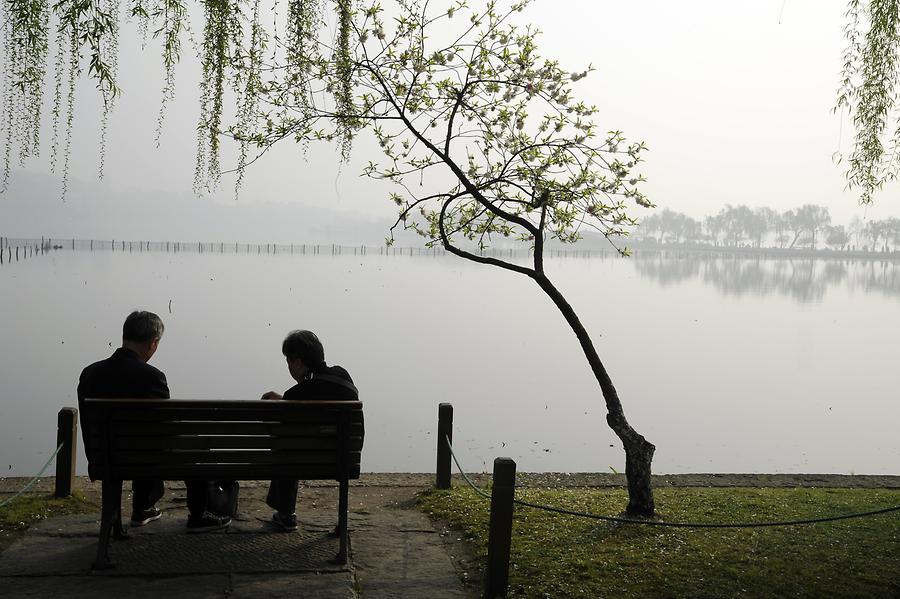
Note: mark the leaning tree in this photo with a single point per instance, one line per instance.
(484, 141)
(483, 137)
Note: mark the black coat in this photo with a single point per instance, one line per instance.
(332, 382)
(123, 375)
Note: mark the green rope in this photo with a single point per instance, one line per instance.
(33, 480)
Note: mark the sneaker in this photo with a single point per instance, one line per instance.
(287, 522)
(207, 522)
(145, 517)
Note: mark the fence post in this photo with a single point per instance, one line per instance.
(67, 436)
(444, 433)
(496, 580)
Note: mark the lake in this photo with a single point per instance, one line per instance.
(726, 363)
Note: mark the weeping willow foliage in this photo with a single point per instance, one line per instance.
(870, 83)
(25, 27)
(221, 31)
(85, 35)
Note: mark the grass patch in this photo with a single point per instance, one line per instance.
(564, 556)
(22, 512)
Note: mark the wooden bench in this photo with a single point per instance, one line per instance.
(127, 439)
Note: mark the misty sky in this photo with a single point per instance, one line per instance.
(734, 100)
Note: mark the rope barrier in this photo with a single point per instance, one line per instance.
(33, 480)
(672, 524)
(466, 478)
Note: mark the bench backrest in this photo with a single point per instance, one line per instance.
(222, 439)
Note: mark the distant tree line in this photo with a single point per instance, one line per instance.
(808, 227)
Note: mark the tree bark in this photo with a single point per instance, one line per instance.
(638, 451)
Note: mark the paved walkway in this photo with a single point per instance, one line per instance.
(395, 551)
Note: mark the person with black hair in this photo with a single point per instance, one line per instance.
(305, 357)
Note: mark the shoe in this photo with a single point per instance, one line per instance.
(207, 522)
(287, 522)
(145, 517)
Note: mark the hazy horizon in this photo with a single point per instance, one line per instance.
(734, 101)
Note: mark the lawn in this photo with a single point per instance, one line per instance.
(565, 556)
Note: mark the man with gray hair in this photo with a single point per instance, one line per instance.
(126, 375)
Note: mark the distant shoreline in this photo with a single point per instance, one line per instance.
(585, 248)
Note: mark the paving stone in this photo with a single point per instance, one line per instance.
(94, 587)
(40, 555)
(332, 585)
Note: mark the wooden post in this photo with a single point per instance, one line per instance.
(496, 580)
(67, 436)
(444, 433)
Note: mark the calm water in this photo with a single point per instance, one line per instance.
(726, 364)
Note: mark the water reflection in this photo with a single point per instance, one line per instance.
(803, 279)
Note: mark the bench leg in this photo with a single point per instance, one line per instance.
(343, 505)
(110, 518)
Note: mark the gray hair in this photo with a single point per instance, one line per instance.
(142, 326)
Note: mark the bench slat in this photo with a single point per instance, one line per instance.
(232, 472)
(121, 458)
(137, 429)
(205, 404)
(230, 442)
(307, 415)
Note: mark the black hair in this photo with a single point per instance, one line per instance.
(141, 326)
(305, 346)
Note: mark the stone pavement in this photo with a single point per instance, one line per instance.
(395, 551)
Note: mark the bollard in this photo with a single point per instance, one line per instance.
(496, 580)
(67, 436)
(444, 432)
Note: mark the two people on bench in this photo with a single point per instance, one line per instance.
(126, 375)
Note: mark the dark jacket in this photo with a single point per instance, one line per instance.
(123, 375)
(332, 382)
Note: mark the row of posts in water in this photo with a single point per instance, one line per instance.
(12, 249)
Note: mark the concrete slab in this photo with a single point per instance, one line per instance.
(93, 587)
(332, 585)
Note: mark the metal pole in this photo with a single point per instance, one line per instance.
(496, 580)
(67, 436)
(444, 434)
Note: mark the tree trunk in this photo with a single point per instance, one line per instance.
(638, 451)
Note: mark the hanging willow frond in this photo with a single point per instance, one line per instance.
(25, 27)
(870, 82)
(111, 43)
(222, 27)
(170, 16)
(303, 21)
(249, 94)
